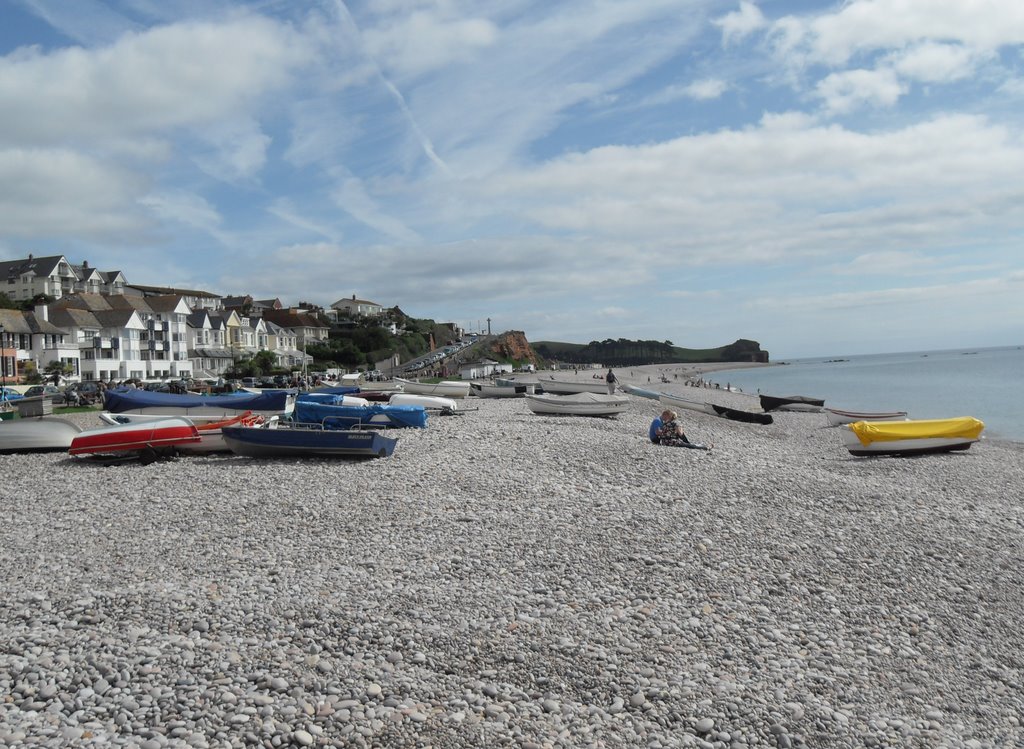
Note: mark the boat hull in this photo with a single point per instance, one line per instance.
(572, 387)
(432, 402)
(306, 441)
(444, 389)
(909, 437)
(725, 412)
(736, 414)
(837, 417)
(487, 390)
(135, 437)
(374, 416)
(37, 435)
(642, 392)
(577, 404)
(791, 403)
(688, 403)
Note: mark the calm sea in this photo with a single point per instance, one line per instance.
(986, 383)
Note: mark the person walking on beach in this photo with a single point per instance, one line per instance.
(610, 379)
(668, 431)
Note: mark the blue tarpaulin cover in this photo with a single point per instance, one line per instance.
(347, 417)
(121, 401)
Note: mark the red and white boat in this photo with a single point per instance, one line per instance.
(211, 440)
(149, 440)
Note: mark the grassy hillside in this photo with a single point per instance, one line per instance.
(624, 353)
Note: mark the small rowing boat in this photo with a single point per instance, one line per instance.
(578, 404)
(210, 437)
(445, 388)
(307, 441)
(430, 402)
(572, 387)
(791, 403)
(488, 390)
(837, 417)
(725, 412)
(642, 392)
(911, 437)
(37, 435)
(148, 440)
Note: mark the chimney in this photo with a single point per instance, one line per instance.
(353, 296)
(85, 265)
(43, 312)
(30, 257)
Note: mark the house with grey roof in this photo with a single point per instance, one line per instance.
(358, 307)
(27, 278)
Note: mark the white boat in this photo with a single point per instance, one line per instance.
(641, 392)
(445, 388)
(429, 402)
(677, 401)
(489, 390)
(837, 417)
(571, 387)
(578, 404)
(911, 437)
(725, 412)
(37, 435)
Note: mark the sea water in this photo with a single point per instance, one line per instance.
(987, 383)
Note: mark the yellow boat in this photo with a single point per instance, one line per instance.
(912, 437)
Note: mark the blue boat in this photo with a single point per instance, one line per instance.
(373, 416)
(172, 404)
(306, 441)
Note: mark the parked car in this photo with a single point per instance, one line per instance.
(50, 392)
(7, 394)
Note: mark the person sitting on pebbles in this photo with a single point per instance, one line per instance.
(667, 430)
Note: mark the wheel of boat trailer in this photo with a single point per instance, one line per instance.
(147, 456)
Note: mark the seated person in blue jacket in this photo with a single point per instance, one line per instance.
(668, 431)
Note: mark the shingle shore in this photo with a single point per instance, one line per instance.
(508, 579)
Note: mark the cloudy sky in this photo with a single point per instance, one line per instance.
(822, 177)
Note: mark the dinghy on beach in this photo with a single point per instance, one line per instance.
(791, 403)
(572, 387)
(578, 404)
(36, 435)
(911, 437)
(288, 440)
(837, 417)
(725, 412)
(444, 389)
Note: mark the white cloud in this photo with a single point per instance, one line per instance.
(935, 63)
(424, 41)
(184, 208)
(60, 193)
(237, 150)
(184, 75)
(709, 88)
(741, 23)
(352, 197)
(863, 26)
(846, 91)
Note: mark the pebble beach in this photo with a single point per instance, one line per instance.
(513, 580)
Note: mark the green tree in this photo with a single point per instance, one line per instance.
(7, 303)
(56, 368)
